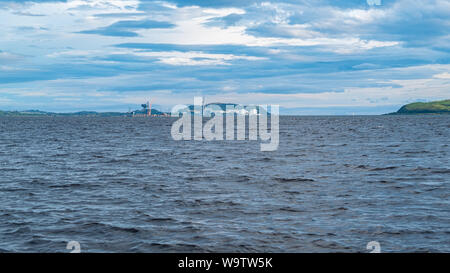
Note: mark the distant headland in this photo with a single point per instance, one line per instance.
(434, 107)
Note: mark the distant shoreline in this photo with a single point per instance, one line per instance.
(38, 113)
(417, 108)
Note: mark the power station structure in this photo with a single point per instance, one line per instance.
(146, 111)
(148, 108)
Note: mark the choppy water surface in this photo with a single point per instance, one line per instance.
(123, 185)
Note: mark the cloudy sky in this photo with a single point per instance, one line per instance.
(310, 57)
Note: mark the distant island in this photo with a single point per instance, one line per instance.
(434, 107)
(36, 113)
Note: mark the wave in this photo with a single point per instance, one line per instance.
(293, 180)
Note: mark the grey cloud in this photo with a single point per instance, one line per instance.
(127, 28)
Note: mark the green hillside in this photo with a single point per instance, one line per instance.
(435, 107)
